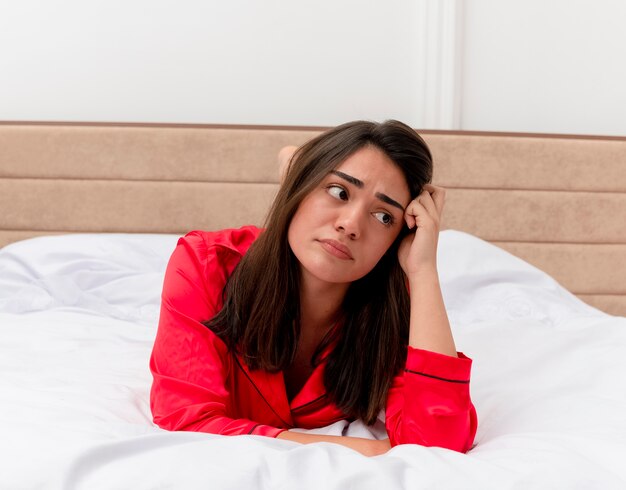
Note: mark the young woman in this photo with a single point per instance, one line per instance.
(333, 311)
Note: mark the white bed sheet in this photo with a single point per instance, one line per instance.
(78, 316)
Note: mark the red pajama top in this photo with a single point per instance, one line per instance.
(199, 385)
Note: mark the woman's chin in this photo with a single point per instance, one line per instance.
(329, 272)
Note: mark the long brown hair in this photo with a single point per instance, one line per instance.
(261, 311)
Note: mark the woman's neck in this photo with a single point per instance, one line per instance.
(320, 304)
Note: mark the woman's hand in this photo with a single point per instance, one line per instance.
(367, 447)
(383, 446)
(418, 251)
(429, 326)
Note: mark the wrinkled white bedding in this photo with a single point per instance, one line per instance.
(78, 316)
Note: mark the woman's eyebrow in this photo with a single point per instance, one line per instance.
(349, 178)
(360, 185)
(388, 200)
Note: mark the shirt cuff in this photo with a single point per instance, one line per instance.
(438, 366)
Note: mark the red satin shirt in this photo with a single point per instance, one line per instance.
(200, 386)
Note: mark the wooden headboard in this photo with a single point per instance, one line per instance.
(558, 202)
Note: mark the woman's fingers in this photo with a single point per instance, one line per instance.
(426, 200)
(438, 195)
(409, 215)
(428, 205)
(413, 211)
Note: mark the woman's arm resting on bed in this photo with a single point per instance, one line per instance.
(429, 403)
(429, 325)
(367, 447)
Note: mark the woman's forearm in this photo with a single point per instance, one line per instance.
(429, 324)
(367, 447)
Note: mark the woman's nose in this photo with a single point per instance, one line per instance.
(349, 222)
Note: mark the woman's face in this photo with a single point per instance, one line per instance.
(345, 225)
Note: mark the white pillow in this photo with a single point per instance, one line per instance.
(114, 275)
(121, 276)
(482, 282)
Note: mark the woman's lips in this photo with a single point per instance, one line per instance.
(337, 249)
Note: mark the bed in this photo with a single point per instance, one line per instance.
(531, 263)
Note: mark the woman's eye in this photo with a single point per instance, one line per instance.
(384, 218)
(338, 192)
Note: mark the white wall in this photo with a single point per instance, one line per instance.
(556, 66)
(317, 62)
(534, 66)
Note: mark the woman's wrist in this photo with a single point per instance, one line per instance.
(429, 325)
(367, 447)
(426, 274)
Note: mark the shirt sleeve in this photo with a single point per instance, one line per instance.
(190, 365)
(429, 402)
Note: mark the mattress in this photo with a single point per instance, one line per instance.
(78, 317)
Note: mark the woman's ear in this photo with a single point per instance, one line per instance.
(284, 158)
